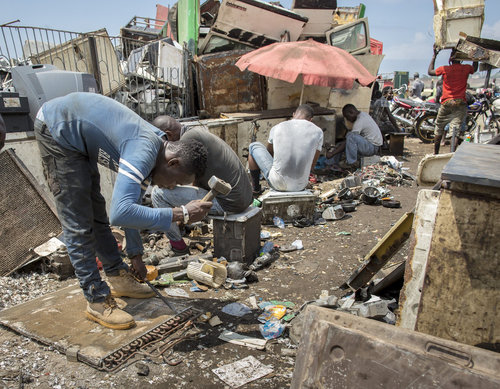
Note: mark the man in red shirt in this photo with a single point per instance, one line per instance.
(453, 102)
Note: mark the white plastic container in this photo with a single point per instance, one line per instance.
(451, 17)
(209, 273)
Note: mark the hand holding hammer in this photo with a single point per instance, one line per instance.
(198, 209)
(217, 186)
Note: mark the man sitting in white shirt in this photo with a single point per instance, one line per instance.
(292, 151)
(364, 140)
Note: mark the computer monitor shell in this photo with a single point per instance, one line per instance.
(41, 83)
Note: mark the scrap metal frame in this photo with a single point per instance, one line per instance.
(381, 253)
(103, 57)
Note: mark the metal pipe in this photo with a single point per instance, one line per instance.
(162, 297)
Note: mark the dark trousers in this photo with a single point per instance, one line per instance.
(74, 181)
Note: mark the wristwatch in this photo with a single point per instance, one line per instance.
(185, 213)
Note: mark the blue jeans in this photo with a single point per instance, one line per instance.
(180, 195)
(355, 146)
(262, 158)
(74, 181)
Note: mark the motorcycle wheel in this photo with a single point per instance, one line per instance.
(425, 127)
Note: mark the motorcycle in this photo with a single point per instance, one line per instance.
(409, 112)
(482, 114)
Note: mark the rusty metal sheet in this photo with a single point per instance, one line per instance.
(58, 319)
(339, 350)
(27, 213)
(222, 87)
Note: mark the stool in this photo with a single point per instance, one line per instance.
(287, 205)
(237, 236)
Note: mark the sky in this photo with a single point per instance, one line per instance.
(404, 26)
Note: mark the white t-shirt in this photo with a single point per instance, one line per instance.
(368, 129)
(294, 143)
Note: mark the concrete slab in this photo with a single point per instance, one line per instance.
(58, 319)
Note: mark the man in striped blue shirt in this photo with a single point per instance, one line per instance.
(75, 133)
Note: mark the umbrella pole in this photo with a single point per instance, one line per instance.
(301, 94)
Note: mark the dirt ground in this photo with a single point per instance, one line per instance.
(327, 261)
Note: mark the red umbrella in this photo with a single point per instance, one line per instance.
(318, 63)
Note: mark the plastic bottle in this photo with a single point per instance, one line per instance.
(278, 222)
(268, 246)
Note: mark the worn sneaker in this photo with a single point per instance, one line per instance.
(109, 314)
(125, 285)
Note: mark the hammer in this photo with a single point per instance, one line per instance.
(217, 186)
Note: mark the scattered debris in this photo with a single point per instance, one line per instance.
(272, 312)
(214, 321)
(242, 340)
(241, 372)
(278, 222)
(272, 329)
(176, 292)
(209, 273)
(236, 309)
(142, 369)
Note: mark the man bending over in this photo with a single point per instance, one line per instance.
(75, 133)
(222, 162)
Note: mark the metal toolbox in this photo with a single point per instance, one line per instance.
(237, 236)
(287, 205)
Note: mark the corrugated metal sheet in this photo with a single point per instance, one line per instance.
(222, 87)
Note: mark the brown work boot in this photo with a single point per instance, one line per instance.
(109, 314)
(125, 285)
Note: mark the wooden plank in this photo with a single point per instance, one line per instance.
(274, 113)
(423, 225)
(339, 350)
